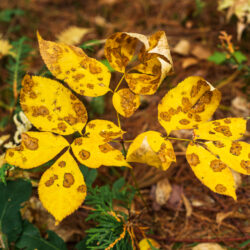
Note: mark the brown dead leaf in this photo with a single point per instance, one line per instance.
(208, 246)
(187, 205)
(182, 47)
(201, 52)
(163, 191)
(187, 62)
(240, 106)
(237, 178)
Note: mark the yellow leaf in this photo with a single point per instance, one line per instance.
(94, 152)
(72, 35)
(211, 171)
(120, 48)
(235, 154)
(36, 149)
(154, 58)
(228, 128)
(52, 107)
(152, 149)
(85, 75)
(103, 130)
(193, 101)
(126, 102)
(144, 244)
(62, 188)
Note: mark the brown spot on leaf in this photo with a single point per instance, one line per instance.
(245, 165)
(119, 157)
(33, 95)
(62, 164)
(82, 189)
(84, 155)
(225, 130)
(62, 126)
(78, 77)
(90, 86)
(29, 142)
(39, 111)
(227, 121)
(235, 148)
(70, 119)
(78, 141)
(91, 125)
(11, 154)
(105, 148)
(49, 182)
(184, 121)
(218, 144)
(220, 188)
(94, 69)
(186, 104)
(217, 165)
(68, 180)
(165, 116)
(193, 159)
(109, 135)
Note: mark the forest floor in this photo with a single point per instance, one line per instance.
(192, 213)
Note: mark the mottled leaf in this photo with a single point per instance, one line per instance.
(152, 149)
(193, 101)
(51, 107)
(84, 75)
(103, 130)
(93, 152)
(126, 102)
(155, 61)
(235, 154)
(228, 129)
(62, 188)
(211, 171)
(36, 149)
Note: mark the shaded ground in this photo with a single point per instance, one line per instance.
(168, 223)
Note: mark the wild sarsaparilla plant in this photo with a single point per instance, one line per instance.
(144, 63)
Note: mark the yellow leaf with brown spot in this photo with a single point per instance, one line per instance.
(152, 149)
(85, 75)
(211, 171)
(36, 149)
(193, 101)
(236, 154)
(52, 107)
(145, 78)
(120, 49)
(228, 128)
(103, 130)
(62, 188)
(155, 61)
(94, 152)
(126, 102)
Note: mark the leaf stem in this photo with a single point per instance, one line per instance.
(229, 79)
(119, 83)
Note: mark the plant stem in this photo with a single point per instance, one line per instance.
(229, 79)
(119, 83)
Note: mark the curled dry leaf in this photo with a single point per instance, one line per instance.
(85, 75)
(163, 191)
(182, 47)
(152, 149)
(193, 101)
(126, 102)
(208, 246)
(155, 61)
(72, 35)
